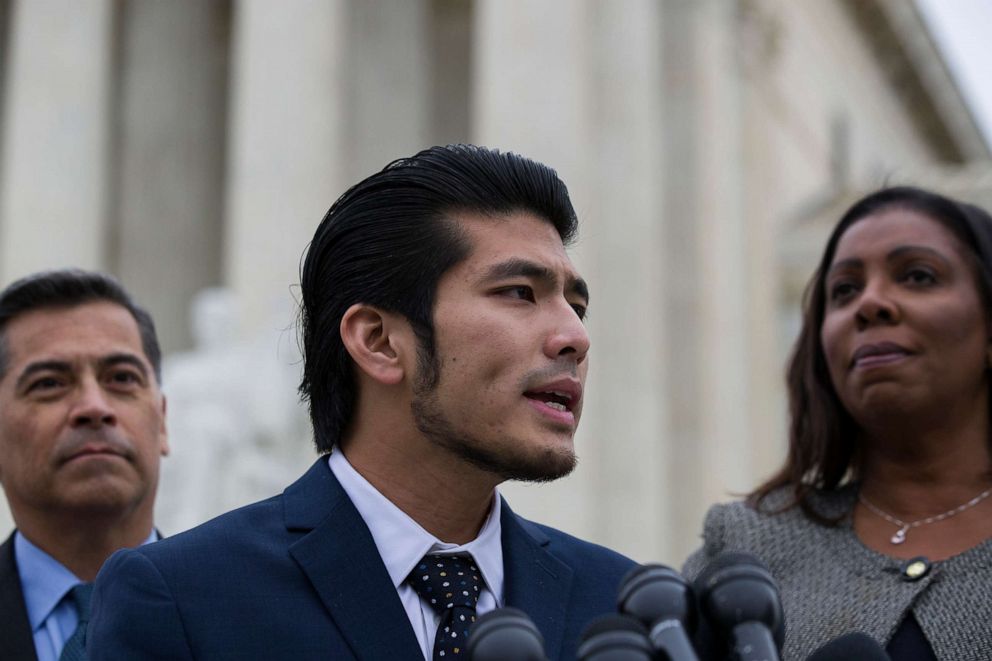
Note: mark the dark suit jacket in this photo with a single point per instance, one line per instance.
(298, 576)
(16, 639)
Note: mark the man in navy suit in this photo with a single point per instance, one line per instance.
(82, 428)
(444, 352)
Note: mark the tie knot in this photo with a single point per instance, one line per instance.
(447, 581)
(81, 595)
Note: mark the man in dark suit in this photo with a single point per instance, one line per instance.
(82, 428)
(444, 352)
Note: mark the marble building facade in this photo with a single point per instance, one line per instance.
(708, 146)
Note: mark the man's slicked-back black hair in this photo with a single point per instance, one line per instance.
(388, 240)
(67, 288)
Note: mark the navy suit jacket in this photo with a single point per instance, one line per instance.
(16, 638)
(298, 576)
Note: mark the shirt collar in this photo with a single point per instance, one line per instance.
(44, 580)
(402, 542)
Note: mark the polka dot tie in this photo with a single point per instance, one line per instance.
(451, 585)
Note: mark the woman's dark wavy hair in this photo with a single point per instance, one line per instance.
(823, 453)
(388, 240)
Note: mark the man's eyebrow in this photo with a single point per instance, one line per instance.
(126, 359)
(60, 366)
(524, 267)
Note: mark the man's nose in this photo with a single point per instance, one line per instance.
(92, 407)
(568, 336)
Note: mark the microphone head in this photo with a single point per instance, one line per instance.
(614, 637)
(736, 588)
(655, 593)
(505, 634)
(854, 645)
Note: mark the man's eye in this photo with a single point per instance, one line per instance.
(125, 377)
(580, 310)
(522, 292)
(44, 383)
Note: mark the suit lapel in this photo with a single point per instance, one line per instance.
(340, 559)
(536, 582)
(16, 640)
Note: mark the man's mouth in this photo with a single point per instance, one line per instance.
(559, 400)
(93, 450)
(104, 452)
(555, 399)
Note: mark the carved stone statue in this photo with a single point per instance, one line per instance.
(236, 428)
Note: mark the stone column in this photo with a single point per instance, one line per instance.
(623, 240)
(173, 108)
(287, 147)
(389, 98)
(710, 266)
(539, 112)
(592, 110)
(54, 188)
(721, 251)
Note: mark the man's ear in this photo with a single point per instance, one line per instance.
(377, 341)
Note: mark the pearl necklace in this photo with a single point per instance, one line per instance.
(904, 527)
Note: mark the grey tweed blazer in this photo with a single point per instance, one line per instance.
(831, 584)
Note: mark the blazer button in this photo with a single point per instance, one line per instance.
(915, 568)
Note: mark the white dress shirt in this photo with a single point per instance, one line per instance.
(402, 543)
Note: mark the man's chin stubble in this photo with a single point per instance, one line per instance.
(545, 465)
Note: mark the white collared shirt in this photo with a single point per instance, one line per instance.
(402, 543)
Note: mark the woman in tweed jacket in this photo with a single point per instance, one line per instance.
(880, 520)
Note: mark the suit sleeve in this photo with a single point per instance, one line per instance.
(133, 613)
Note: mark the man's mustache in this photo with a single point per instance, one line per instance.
(79, 441)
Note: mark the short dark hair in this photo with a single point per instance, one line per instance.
(388, 240)
(66, 288)
(823, 452)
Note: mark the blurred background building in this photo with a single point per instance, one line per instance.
(709, 145)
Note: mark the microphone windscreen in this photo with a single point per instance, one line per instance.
(614, 637)
(737, 587)
(505, 634)
(660, 598)
(654, 592)
(855, 645)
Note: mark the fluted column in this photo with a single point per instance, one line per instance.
(592, 110)
(56, 131)
(287, 145)
(170, 156)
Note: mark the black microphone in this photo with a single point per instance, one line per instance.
(661, 599)
(505, 634)
(855, 645)
(738, 596)
(613, 637)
